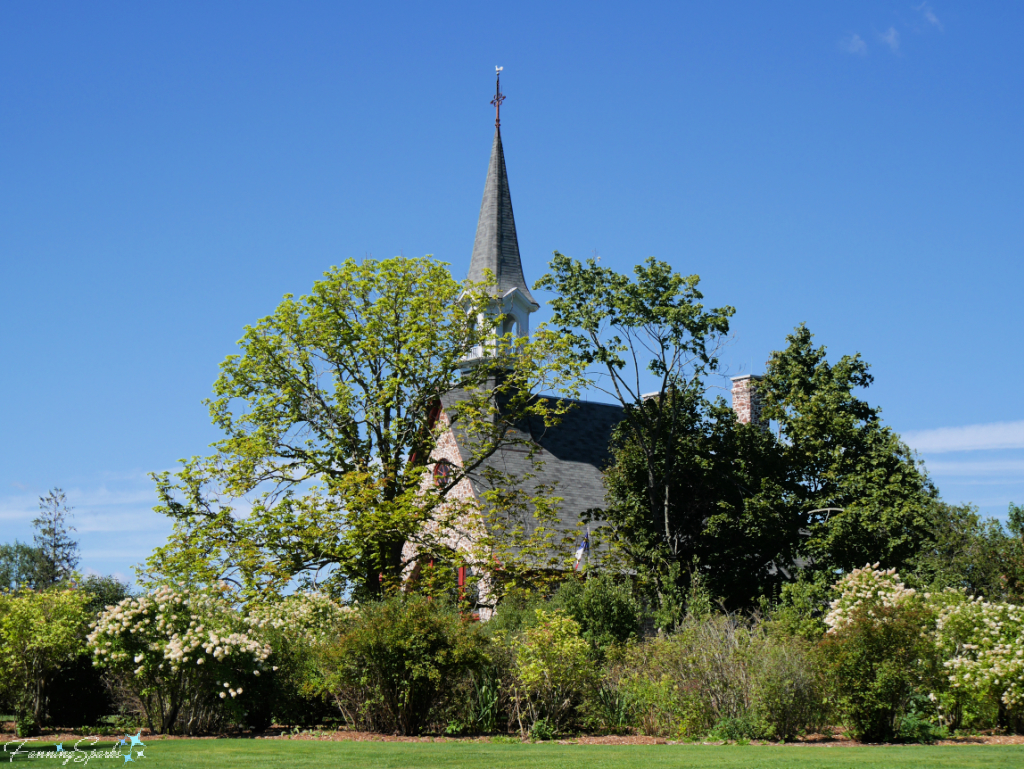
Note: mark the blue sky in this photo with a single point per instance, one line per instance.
(169, 170)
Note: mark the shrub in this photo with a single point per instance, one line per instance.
(291, 688)
(553, 671)
(880, 654)
(607, 613)
(183, 656)
(983, 646)
(403, 665)
(724, 676)
(39, 632)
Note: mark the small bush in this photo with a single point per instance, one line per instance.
(404, 665)
(878, 659)
(607, 613)
(721, 675)
(553, 671)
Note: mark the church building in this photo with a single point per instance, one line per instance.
(571, 455)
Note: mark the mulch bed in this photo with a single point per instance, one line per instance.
(281, 733)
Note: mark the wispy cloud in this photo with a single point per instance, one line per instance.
(891, 38)
(854, 44)
(929, 15)
(1001, 469)
(996, 435)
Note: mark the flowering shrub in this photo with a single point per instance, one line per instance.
(296, 627)
(881, 656)
(867, 590)
(983, 645)
(183, 654)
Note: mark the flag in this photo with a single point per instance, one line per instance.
(582, 549)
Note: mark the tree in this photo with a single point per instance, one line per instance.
(39, 632)
(689, 490)
(21, 565)
(863, 496)
(965, 551)
(329, 416)
(58, 551)
(729, 501)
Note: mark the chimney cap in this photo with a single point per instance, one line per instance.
(756, 377)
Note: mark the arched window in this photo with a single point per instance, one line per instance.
(443, 472)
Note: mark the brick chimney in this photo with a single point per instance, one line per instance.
(746, 401)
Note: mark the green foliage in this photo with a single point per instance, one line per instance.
(880, 654)
(404, 664)
(724, 518)
(553, 672)
(860, 493)
(688, 485)
(606, 611)
(292, 686)
(102, 591)
(39, 632)
(21, 565)
(329, 416)
(802, 606)
(964, 551)
(724, 676)
(186, 657)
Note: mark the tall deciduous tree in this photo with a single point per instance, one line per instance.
(328, 414)
(863, 495)
(689, 488)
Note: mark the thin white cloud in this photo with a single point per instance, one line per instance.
(929, 15)
(996, 435)
(1006, 469)
(891, 38)
(854, 44)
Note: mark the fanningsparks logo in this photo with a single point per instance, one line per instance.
(82, 752)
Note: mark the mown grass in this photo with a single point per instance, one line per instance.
(302, 754)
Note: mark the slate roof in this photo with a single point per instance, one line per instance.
(496, 247)
(573, 454)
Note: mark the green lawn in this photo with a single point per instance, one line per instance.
(283, 754)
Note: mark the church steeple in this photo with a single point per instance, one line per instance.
(496, 247)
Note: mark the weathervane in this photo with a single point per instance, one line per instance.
(499, 97)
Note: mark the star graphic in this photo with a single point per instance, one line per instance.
(127, 758)
(140, 754)
(135, 740)
(60, 746)
(122, 742)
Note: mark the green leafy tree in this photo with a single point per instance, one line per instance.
(329, 416)
(39, 632)
(58, 551)
(21, 565)
(965, 551)
(690, 490)
(729, 503)
(862, 495)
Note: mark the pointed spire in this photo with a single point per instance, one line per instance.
(496, 247)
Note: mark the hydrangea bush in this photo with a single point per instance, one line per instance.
(867, 590)
(297, 627)
(982, 644)
(185, 656)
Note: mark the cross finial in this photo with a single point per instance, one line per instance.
(499, 97)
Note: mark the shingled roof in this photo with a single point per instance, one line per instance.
(573, 456)
(496, 247)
